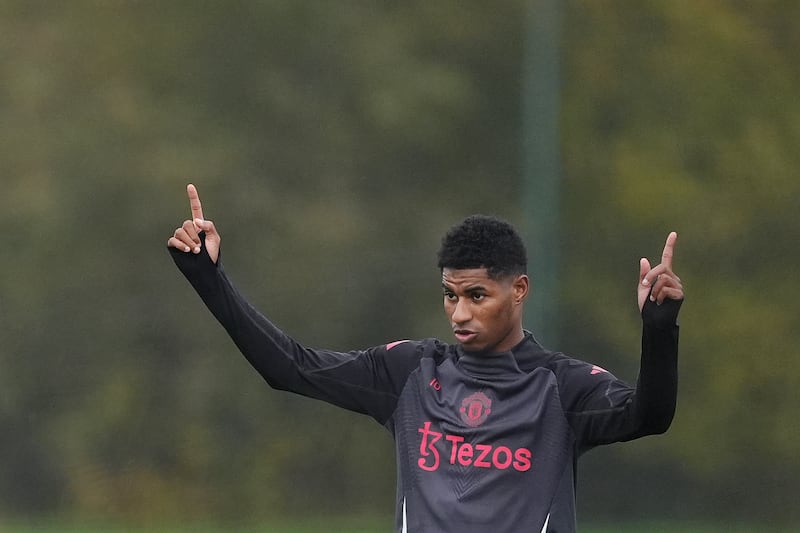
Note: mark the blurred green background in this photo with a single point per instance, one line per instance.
(333, 143)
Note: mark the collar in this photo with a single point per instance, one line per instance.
(522, 358)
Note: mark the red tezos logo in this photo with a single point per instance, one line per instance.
(457, 451)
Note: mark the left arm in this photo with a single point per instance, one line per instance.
(603, 409)
(660, 295)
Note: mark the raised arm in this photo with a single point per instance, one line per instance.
(365, 381)
(604, 409)
(660, 297)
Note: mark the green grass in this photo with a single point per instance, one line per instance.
(682, 527)
(310, 526)
(372, 526)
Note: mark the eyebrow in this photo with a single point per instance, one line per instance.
(477, 288)
(471, 289)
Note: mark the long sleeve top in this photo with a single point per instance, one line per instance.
(484, 442)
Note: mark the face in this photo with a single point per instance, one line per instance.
(485, 314)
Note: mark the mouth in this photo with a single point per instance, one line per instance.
(464, 336)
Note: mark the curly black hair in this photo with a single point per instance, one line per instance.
(481, 241)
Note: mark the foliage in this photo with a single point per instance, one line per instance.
(333, 143)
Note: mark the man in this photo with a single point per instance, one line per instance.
(487, 431)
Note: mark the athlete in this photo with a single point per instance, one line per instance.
(487, 430)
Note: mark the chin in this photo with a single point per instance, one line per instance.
(474, 347)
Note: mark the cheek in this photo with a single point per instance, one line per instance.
(488, 315)
(502, 314)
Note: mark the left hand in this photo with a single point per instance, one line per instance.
(659, 282)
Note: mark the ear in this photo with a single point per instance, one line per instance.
(520, 287)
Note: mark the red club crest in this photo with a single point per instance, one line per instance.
(475, 408)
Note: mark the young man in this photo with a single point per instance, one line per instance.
(487, 431)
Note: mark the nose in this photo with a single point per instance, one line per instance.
(461, 312)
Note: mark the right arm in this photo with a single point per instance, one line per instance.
(366, 381)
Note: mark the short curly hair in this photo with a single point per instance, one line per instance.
(481, 241)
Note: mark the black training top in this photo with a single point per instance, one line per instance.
(484, 442)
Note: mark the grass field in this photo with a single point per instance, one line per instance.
(373, 526)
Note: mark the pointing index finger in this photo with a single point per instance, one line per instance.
(194, 202)
(669, 250)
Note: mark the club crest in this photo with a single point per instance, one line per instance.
(475, 408)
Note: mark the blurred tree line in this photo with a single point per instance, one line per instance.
(333, 143)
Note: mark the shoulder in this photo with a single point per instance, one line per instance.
(417, 349)
(406, 355)
(402, 358)
(570, 370)
(531, 355)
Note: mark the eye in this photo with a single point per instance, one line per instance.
(450, 296)
(477, 297)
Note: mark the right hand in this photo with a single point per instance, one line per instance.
(186, 238)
